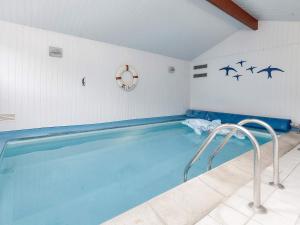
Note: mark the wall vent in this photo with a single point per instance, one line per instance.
(55, 52)
(203, 66)
(200, 75)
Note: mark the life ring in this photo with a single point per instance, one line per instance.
(127, 86)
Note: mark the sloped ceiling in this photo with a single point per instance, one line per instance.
(177, 28)
(277, 10)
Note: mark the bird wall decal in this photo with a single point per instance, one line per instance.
(237, 76)
(241, 62)
(228, 69)
(269, 70)
(251, 68)
(238, 71)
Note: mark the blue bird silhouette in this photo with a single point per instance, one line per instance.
(269, 70)
(241, 62)
(251, 68)
(228, 69)
(237, 77)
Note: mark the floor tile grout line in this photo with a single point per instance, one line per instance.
(213, 219)
(297, 220)
(214, 189)
(242, 170)
(157, 215)
(236, 210)
(233, 210)
(294, 168)
(249, 219)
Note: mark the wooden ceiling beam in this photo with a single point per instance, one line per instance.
(237, 12)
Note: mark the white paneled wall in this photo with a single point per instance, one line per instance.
(44, 91)
(276, 44)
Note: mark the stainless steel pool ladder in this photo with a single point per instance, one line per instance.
(256, 204)
(276, 180)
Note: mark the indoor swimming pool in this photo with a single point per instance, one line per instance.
(87, 178)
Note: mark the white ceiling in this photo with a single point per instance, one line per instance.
(177, 28)
(277, 10)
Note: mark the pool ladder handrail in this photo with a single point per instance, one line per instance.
(256, 204)
(276, 179)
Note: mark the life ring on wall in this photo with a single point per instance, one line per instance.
(125, 85)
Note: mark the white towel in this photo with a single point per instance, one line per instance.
(200, 125)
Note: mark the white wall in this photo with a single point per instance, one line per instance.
(44, 91)
(276, 44)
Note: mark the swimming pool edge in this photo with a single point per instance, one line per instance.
(6, 136)
(189, 202)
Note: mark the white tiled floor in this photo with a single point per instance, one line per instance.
(283, 205)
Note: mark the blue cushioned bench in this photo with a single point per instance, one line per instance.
(282, 125)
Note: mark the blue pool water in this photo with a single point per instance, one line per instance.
(87, 178)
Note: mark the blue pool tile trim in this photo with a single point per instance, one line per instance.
(282, 125)
(278, 124)
(46, 131)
